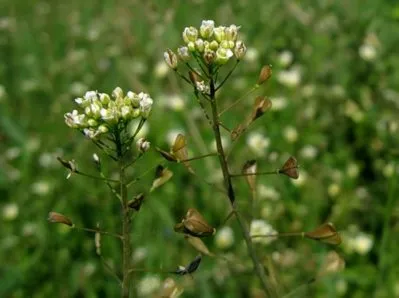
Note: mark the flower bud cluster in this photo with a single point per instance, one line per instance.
(99, 113)
(216, 45)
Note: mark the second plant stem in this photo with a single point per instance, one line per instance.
(258, 267)
(126, 246)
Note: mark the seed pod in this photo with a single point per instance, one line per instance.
(198, 244)
(56, 217)
(265, 74)
(136, 202)
(249, 168)
(262, 104)
(290, 168)
(179, 151)
(196, 225)
(162, 175)
(325, 233)
(190, 268)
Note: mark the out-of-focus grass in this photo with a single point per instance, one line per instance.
(336, 110)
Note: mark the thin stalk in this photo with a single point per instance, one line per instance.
(126, 245)
(258, 268)
(98, 231)
(94, 177)
(199, 157)
(255, 174)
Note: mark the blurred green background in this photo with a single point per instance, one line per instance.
(335, 94)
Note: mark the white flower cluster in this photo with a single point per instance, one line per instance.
(98, 112)
(213, 44)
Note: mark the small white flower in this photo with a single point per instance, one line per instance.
(290, 134)
(183, 53)
(190, 34)
(303, 177)
(258, 143)
(333, 189)
(41, 188)
(268, 192)
(290, 78)
(261, 227)
(161, 70)
(140, 253)
(279, 103)
(285, 58)
(175, 102)
(308, 152)
(224, 238)
(352, 170)
(145, 104)
(362, 243)
(251, 55)
(142, 145)
(388, 170)
(202, 87)
(148, 285)
(367, 52)
(10, 211)
(90, 95)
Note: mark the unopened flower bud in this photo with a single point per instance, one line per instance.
(240, 50)
(223, 55)
(265, 74)
(206, 29)
(199, 45)
(117, 93)
(104, 98)
(219, 33)
(190, 34)
(170, 58)
(142, 145)
(183, 54)
(209, 56)
(191, 46)
(59, 218)
(213, 45)
(232, 32)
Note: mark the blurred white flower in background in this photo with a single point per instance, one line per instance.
(77, 88)
(303, 177)
(175, 102)
(290, 134)
(308, 90)
(352, 170)
(161, 69)
(148, 285)
(10, 211)
(333, 190)
(341, 286)
(367, 52)
(356, 241)
(258, 143)
(388, 170)
(139, 254)
(261, 227)
(224, 238)
(172, 134)
(290, 78)
(12, 153)
(268, 192)
(285, 58)
(41, 188)
(279, 103)
(308, 152)
(251, 55)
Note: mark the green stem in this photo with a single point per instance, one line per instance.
(258, 267)
(126, 246)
